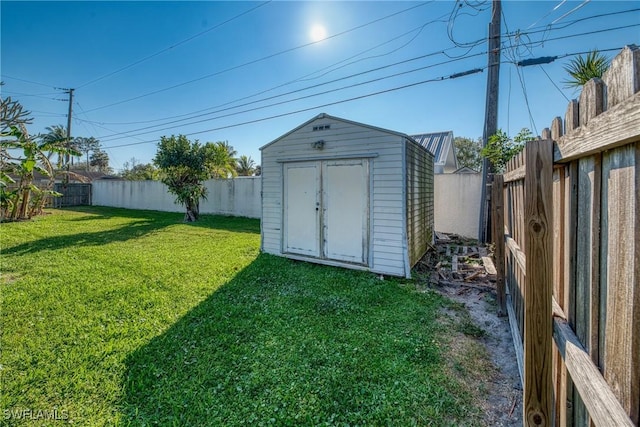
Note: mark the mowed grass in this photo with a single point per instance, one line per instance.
(119, 317)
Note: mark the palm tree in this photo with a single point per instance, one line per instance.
(221, 159)
(582, 69)
(56, 136)
(246, 166)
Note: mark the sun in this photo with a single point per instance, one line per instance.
(317, 33)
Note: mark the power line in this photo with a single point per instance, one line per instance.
(26, 81)
(35, 95)
(310, 87)
(571, 11)
(294, 99)
(307, 76)
(554, 83)
(556, 7)
(262, 119)
(479, 41)
(314, 107)
(255, 61)
(146, 58)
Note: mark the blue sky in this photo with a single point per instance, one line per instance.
(211, 62)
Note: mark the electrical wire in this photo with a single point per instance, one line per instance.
(355, 98)
(294, 99)
(520, 74)
(445, 62)
(554, 83)
(308, 77)
(571, 11)
(255, 61)
(477, 42)
(556, 7)
(35, 95)
(188, 39)
(27, 81)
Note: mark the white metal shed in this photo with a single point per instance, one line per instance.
(343, 193)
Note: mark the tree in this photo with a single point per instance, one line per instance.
(86, 145)
(245, 166)
(20, 157)
(12, 113)
(134, 171)
(500, 148)
(582, 69)
(183, 166)
(56, 135)
(100, 161)
(468, 152)
(221, 158)
(36, 152)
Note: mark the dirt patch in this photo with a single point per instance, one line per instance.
(483, 356)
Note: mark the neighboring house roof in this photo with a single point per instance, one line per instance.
(327, 116)
(466, 169)
(440, 144)
(80, 176)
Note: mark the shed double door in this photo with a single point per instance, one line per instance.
(326, 209)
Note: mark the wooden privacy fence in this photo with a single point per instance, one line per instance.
(567, 233)
(72, 195)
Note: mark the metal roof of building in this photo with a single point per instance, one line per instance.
(438, 143)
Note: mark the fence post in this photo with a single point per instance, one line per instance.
(538, 323)
(497, 196)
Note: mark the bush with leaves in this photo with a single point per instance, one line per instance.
(500, 148)
(21, 155)
(185, 165)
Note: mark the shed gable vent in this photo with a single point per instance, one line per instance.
(321, 127)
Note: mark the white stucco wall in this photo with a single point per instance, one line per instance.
(237, 197)
(457, 203)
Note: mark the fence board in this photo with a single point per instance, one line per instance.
(594, 273)
(498, 239)
(619, 274)
(72, 195)
(538, 396)
(603, 405)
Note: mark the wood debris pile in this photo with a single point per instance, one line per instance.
(458, 262)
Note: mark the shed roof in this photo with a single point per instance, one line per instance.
(327, 116)
(438, 143)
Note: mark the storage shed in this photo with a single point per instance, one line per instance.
(343, 193)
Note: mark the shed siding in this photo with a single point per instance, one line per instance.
(343, 140)
(419, 200)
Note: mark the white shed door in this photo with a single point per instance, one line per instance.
(346, 210)
(302, 208)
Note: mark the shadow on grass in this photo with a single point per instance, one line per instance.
(142, 223)
(218, 222)
(289, 343)
(130, 231)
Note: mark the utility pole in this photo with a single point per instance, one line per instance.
(490, 115)
(67, 155)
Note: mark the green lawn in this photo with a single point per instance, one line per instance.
(120, 317)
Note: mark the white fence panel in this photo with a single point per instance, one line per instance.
(237, 197)
(456, 199)
(457, 203)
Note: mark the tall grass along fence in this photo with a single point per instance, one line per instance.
(567, 233)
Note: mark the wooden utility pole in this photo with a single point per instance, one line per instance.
(67, 155)
(490, 114)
